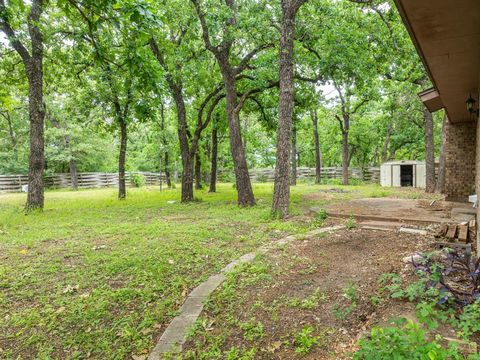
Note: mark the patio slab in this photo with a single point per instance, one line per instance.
(400, 210)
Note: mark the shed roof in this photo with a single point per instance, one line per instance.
(404, 162)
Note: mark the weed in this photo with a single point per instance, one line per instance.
(407, 341)
(304, 340)
(350, 294)
(375, 300)
(311, 302)
(351, 223)
(321, 214)
(469, 320)
(310, 269)
(252, 329)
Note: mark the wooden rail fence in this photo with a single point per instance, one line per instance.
(370, 174)
(14, 183)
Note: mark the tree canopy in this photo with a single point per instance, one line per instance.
(137, 85)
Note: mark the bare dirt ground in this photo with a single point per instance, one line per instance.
(328, 283)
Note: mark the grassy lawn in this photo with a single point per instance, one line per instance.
(93, 277)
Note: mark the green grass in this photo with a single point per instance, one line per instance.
(95, 277)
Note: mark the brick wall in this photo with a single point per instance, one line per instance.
(460, 146)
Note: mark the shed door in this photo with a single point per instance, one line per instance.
(406, 175)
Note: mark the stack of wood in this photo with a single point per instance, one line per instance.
(462, 235)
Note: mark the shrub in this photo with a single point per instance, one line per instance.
(138, 180)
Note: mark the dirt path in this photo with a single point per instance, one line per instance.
(328, 284)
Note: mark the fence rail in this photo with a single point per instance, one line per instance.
(370, 174)
(14, 183)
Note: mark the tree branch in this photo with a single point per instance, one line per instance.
(203, 23)
(10, 33)
(244, 62)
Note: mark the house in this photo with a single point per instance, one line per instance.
(446, 34)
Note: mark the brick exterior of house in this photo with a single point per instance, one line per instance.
(460, 150)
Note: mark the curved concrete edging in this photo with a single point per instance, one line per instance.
(175, 334)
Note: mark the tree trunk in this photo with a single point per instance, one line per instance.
(213, 169)
(11, 132)
(198, 170)
(243, 183)
(72, 163)
(345, 156)
(122, 192)
(187, 161)
(229, 73)
(440, 186)
(429, 151)
(293, 179)
(318, 153)
(281, 192)
(33, 63)
(35, 198)
(166, 162)
(386, 143)
(166, 167)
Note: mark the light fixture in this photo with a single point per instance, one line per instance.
(471, 105)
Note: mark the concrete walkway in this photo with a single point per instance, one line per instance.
(175, 334)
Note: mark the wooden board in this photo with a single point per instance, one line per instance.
(452, 231)
(463, 232)
(472, 231)
(443, 230)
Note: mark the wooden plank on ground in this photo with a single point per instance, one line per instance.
(472, 231)
(443, 230)
(463, 232)
(452, 230)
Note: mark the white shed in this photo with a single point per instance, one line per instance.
(403, 173)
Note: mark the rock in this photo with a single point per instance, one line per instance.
(412, 258)
(413, 231)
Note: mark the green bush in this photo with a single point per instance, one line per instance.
(137, 180)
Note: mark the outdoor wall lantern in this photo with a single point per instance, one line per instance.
(471, 105)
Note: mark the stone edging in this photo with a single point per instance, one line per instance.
(175, 334)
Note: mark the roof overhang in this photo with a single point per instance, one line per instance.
(431, 99)
(446, 34)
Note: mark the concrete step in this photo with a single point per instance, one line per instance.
(380, 225)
